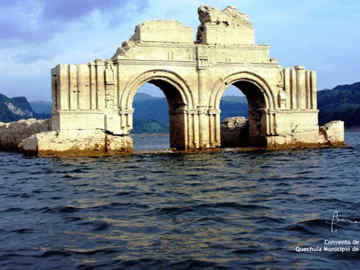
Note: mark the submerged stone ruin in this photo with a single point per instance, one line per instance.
(92, 110)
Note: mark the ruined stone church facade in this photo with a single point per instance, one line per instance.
(93, 103)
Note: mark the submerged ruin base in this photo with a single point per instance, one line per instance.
(76, 143)
(53, 144)
(96, 143)
(83, 143)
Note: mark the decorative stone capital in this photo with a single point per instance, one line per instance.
(100, 62)
(202, 62)
(191, 112)
(126, 111)
(203, 110)
(213, 111)
(299, 68)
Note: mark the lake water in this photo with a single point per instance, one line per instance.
(260, 210)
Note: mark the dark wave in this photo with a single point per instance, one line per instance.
(211, 207)
(12, 209)
(313, 227)
(70, 252)
(226, 210)
(195, 264)
(61, 209)
(119, 205)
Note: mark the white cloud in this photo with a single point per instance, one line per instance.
(300, 32)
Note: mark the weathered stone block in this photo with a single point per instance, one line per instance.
(76, 143)
(227, 27)
(118, 144)
(11, 134)
(332, 133)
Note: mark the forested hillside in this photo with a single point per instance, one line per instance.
(340, 103)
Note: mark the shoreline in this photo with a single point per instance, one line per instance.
(150, 134)
(353, 129)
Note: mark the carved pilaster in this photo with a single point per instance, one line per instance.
(202, 58)
(282, 97)
(301, 87)
(110, 103)
(314, 90)
(55, 91)
(100, 84)
(93, 90)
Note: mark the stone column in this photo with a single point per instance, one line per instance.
(202, 110)
(204, 126)
(214, 128)
(203, 115)
(218, 128)
(192, 129)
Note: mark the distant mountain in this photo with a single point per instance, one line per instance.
(354, 86)
(147, 107)
(235, 99)
(233, 106)
(152, 113)
(42, 109)
(41, 106)
(140, 97)
(340, 103)
(149, 126)
(13, 109)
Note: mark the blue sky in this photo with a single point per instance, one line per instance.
(36, 35)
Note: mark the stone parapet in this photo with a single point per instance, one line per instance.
(163, 31)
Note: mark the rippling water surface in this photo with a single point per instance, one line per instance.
(209, 211)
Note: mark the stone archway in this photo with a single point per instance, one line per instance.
(95, 100)
(178, 97)
(260, 101)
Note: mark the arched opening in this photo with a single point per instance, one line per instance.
(150, 119)
(233, 103)
(243, 115)
(159, 111)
